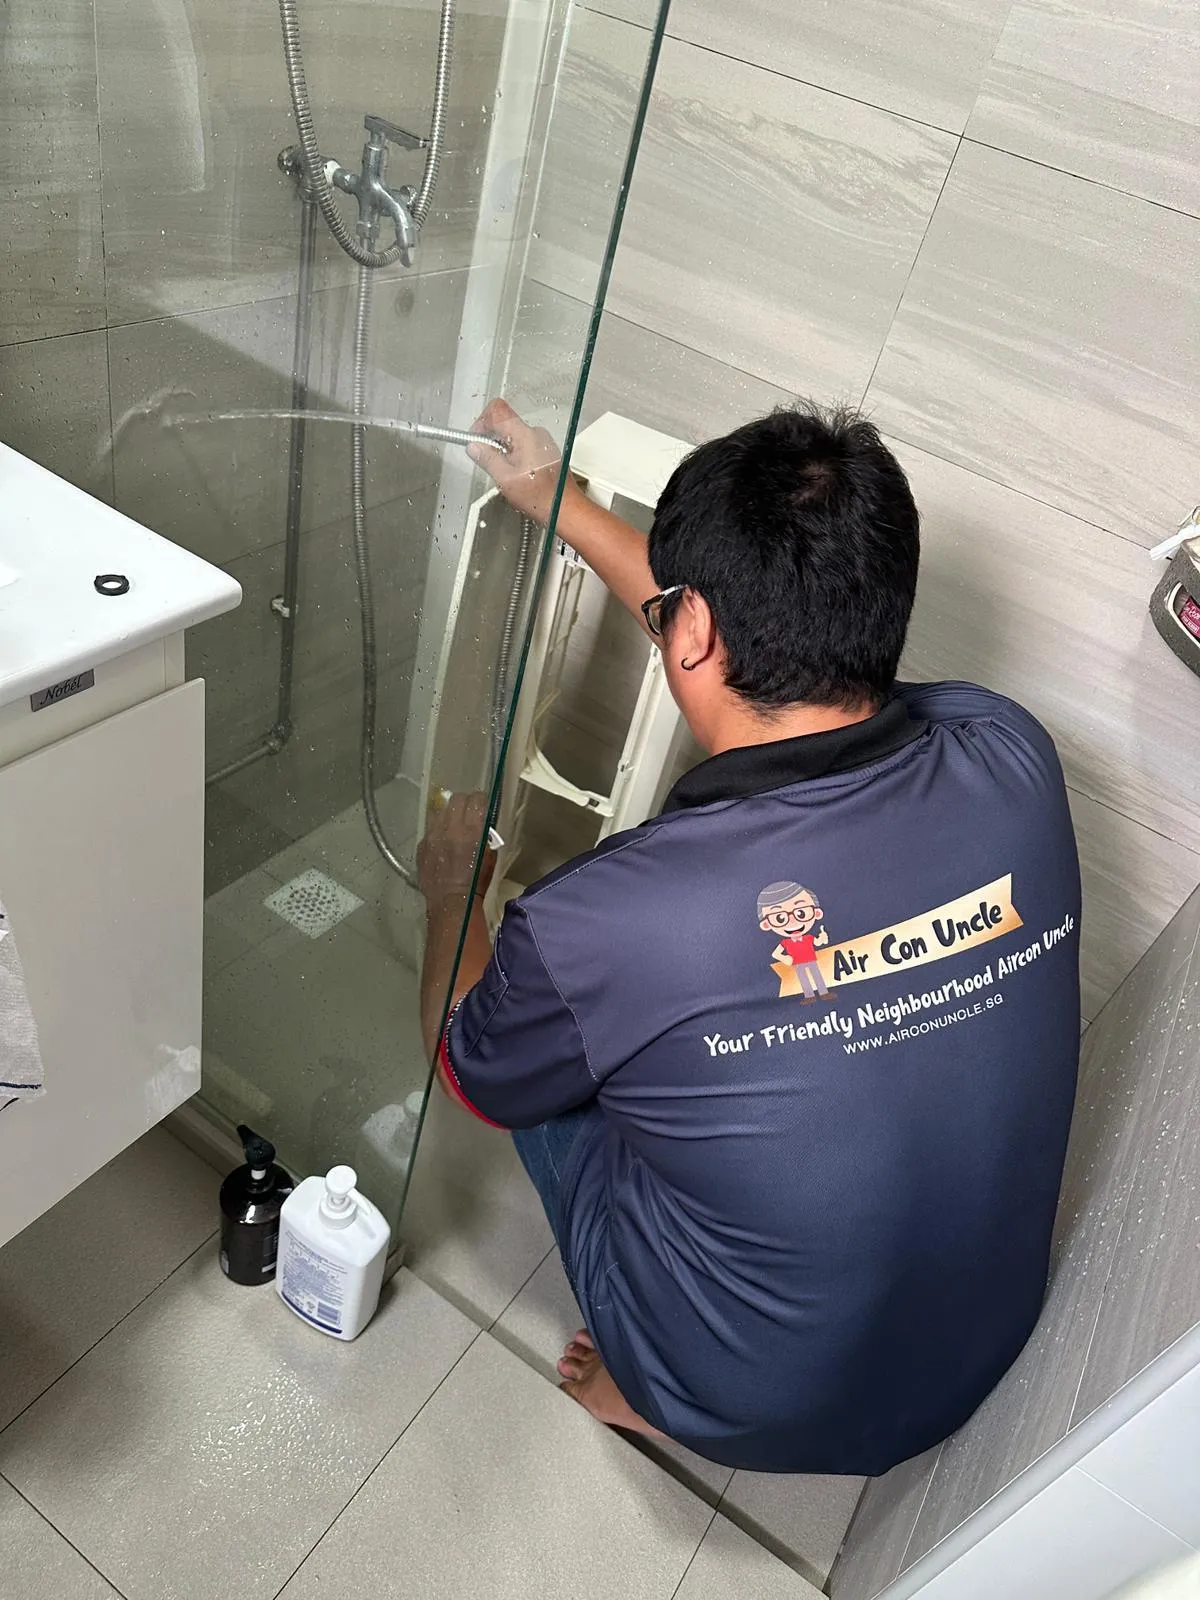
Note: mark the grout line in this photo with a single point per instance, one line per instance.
(933, 211)
(480, 1333)
(553, 1250)
(904, 1561)
(1082, 177)
(103, 1576)
(988, 477)
(1074, 788)
(191, 1255)
(695, 1553)
(774, 72)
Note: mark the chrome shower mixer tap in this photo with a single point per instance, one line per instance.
(375, 199)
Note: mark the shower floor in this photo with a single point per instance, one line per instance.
(311, 1001)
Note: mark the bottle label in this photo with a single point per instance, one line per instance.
(313, 1286)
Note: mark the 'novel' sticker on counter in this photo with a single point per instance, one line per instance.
(61, 691)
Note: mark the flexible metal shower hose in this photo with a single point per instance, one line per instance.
(368, 261)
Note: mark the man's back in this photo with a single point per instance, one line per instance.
(828, 1003)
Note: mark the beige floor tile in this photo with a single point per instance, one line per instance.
(536, 1327)
(75, 1272)
(482, 1496)
(1083, 87)
(237, 920)
(36, 1563)
(213, 1437)
(922, 58)
(729, 1562)
(824, 205)
(804, 1519)
(1048, 338)
(309, 1039)
(473, 1224)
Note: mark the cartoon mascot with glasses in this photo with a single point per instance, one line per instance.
(793, 914)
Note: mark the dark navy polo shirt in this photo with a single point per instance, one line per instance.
(810, 1230)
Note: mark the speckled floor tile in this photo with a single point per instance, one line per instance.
(503, 1487)
(209, 1440)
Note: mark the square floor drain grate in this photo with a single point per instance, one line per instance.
(313, 903)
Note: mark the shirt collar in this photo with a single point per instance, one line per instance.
(757, 768)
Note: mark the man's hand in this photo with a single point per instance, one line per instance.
(528, 474)
(446, 855)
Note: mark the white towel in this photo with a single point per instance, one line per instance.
(20, 1056)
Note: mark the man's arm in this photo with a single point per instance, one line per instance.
(526, 477)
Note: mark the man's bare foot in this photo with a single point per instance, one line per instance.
(589, 1382)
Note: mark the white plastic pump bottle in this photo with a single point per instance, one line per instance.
(332, 1249)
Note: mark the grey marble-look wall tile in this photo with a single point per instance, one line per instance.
(194, 110)
(54, 407)
(1109, 92)
(1153, 1290)
(637, 373)
(1122, 1062)
(1134, 881)
(51, 252)
(873, 1554)
(1038, 605)
(770, 225)
(922, 59)
(1049, 338)
(218, 488)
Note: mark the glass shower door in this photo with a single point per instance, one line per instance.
(314, 927)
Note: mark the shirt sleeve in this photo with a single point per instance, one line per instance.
(513, 1049)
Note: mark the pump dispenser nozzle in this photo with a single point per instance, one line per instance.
(338, 1201)
(260, 1152)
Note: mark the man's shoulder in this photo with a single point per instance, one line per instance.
(955, 702)
(621, 860)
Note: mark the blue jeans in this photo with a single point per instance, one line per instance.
(544, 1152)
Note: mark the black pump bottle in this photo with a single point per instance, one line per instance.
(251, 1200)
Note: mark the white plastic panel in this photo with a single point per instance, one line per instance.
(1073, 1541)
(101, 871)
(1153, 1460)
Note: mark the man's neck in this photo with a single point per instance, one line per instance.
(740, 726)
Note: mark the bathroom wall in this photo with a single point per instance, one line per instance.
(983, 222)
(1123, 1290)
(148, 263)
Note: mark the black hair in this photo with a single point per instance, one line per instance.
(801, 533)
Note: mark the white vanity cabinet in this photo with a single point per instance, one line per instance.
(101, 824)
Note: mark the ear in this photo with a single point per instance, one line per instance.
(694, 636)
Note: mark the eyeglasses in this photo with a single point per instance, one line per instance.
(652, 609)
